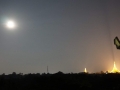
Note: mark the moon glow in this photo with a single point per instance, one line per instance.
(10, 24)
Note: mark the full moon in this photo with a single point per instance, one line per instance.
(10, 24)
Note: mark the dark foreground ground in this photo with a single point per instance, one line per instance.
(60, 81)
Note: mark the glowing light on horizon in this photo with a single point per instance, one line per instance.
(85, 70)
(114, 70)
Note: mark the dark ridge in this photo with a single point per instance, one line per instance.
(60, 81)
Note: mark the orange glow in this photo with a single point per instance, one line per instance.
(115, 70)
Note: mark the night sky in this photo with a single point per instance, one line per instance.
(65, 35)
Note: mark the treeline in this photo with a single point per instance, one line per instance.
(60, 81)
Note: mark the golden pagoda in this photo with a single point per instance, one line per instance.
(85, 70)
(115, 70)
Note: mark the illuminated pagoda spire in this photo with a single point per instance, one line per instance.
(85, 70)
(115, 70)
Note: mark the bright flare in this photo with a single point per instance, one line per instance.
(114, 70)
(10, 24)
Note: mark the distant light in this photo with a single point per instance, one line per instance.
(10, 24)
(85, 70)
(115, 70)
